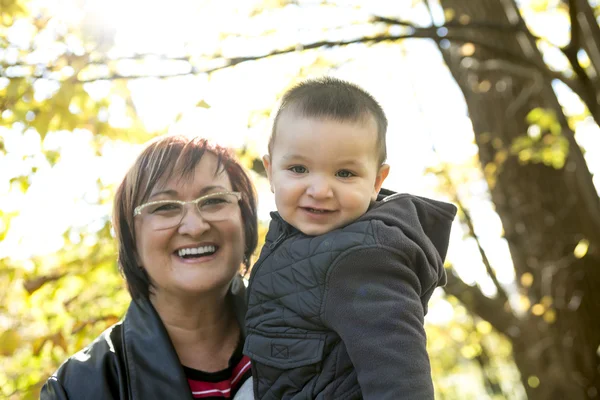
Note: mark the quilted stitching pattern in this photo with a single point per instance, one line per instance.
(285, 299)
(288, 285)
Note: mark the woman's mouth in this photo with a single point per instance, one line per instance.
(196, 252)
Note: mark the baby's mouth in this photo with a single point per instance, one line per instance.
(196, 252)
(317, 210)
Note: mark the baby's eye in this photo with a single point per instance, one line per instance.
(344, 173)
(298, 169)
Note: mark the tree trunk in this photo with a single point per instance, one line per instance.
(585, 36)
(546, 206)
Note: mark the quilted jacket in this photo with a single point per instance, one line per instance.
(340, 315)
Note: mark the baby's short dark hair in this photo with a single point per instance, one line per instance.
(336, 99)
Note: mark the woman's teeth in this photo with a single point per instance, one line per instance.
(193, 251)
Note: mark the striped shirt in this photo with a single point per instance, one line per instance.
(222, 384)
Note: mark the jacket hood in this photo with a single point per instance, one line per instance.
(425, 221)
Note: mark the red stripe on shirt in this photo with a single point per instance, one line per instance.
(222, 389)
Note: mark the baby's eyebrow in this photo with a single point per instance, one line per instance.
(293, 156)
(350, 163)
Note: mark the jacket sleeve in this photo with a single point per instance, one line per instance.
(53, 390)
(373, 303)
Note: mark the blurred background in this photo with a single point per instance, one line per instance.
(493, 105)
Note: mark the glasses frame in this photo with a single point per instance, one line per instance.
(138, 210)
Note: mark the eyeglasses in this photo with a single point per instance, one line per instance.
(165, 214)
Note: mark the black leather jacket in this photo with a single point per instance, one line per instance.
(133, 359)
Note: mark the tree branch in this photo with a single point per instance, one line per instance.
(476, 25)
(502, 296)
(491, 310)
(418, 33)
(570, 51)
(421, 33)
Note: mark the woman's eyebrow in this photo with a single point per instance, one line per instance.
(213, 188)
(169, 192)
(174, 193)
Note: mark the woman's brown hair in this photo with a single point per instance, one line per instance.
(159, 161)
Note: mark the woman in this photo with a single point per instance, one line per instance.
(185, 221)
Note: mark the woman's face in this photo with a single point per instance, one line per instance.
(159, 251)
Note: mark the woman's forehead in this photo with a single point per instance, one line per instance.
(204, 175)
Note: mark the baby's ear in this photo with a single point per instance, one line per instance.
(267, 164)
(383, 172)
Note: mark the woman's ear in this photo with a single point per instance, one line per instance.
(383, 172)
(267, 164)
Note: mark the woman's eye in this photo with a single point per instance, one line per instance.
(298, 169)
(344, 174)
(213, 201)
(166, 207)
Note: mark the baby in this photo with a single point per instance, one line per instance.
(338, 295)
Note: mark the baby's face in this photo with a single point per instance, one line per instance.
(324, 173)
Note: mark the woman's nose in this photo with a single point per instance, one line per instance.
(193, 223)
(319, 188)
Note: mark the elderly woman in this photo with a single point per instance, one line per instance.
(185, 221)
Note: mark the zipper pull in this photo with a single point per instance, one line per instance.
(277, 241)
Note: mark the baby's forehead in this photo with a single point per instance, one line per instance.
(295, 114)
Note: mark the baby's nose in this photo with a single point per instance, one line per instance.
(319, 188)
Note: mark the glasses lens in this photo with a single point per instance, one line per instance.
(168, 214)
(163, 214)
(217, 207)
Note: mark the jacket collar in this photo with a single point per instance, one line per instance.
(278, 226)
(153, 368)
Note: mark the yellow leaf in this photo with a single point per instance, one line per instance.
(550, 316)
(202, 104)
(539, 5)
(38, 344)
(458, 334)
(534, 115)
(582, 248)
(484, 86)
(484, 327)
(59, 340)
(538, 309)
(524, 302)
(527, 279)
(469, 351)
(546, 301)
(10, 341)
(468, 49)
(533, 381)
(501, 156)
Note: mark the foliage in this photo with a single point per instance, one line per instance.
(65, 77)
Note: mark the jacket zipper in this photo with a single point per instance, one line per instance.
(271, 248)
